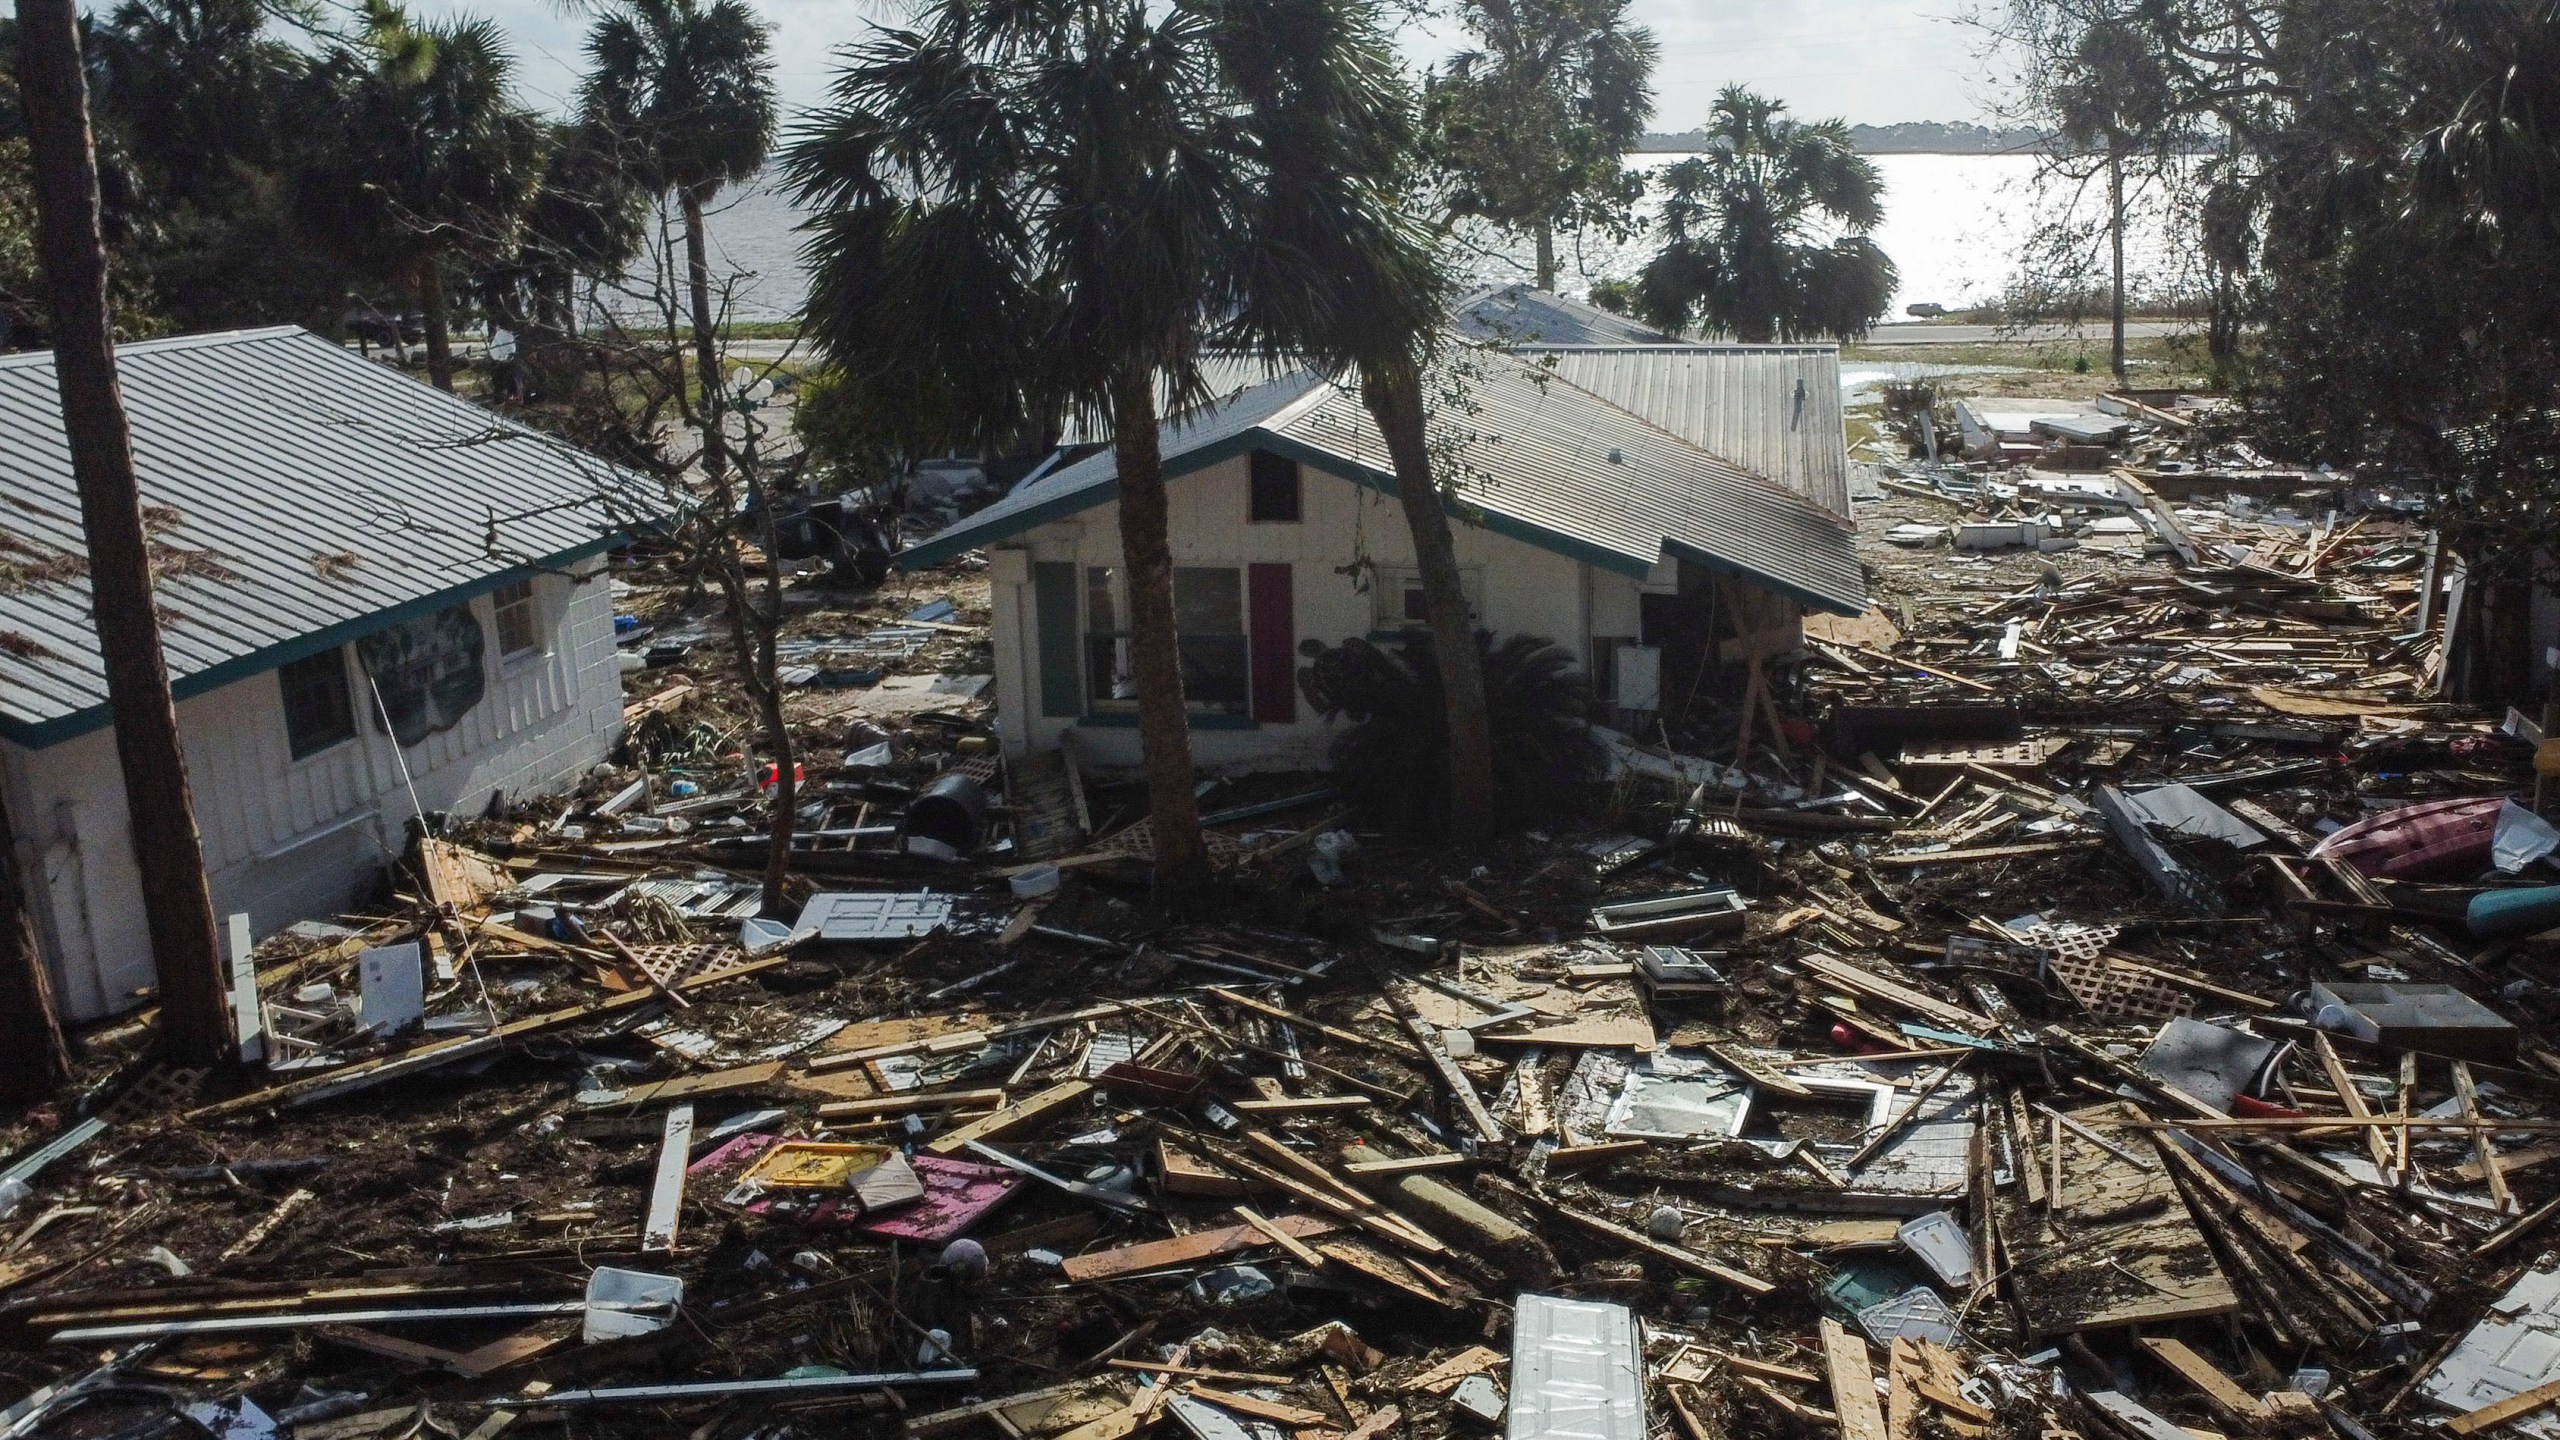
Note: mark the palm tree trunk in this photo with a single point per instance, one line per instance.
(1546, 256)
(1164, 722)
(177, 905)
(706, 350)
(1395, 398)
(2115, 240)
(33, 1060)
(428, 277)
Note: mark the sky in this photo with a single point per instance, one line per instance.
(1864, 61)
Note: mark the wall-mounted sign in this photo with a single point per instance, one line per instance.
(429, 671)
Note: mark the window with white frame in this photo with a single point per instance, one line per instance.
(519, 619)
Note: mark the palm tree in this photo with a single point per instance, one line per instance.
(193, 86)
(1045, 206)
(1341, 270)
(1746, 221)
(420, 154)
(687, 85)
(1533, 123)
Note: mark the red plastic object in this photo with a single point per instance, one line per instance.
(771, 775)
(2250, 1107)
(2431, 839)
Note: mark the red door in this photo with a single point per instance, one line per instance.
(1274, 612)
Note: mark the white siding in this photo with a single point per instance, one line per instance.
(287, 839)
(1525, 590)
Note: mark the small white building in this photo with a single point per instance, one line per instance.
(1582, 523)
(375, 598)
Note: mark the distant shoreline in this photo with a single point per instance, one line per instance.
(1917, 137)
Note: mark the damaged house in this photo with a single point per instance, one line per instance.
(1652, 560)
(375, 599)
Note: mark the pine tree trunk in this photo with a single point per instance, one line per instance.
(2115, 240)
(33, 1060)
(1395, 399)
(1546, 256)
(1164, 723)
(195, 1003)
(428, 277)
(706, 343)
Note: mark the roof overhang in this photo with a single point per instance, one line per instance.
(54, 731)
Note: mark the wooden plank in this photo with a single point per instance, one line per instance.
(1405, 1053)
(759, 1076)
(900, 1102)
(1280, 1237)
(2484, 1153)
(1678, 1256)
(1876, 987)
(258, 1233)
(1452, 1079)
(2352, 1099)
(1258, 1409)
(1902, 1390)
(1788, 1403)
(1908, 859)
(2233, 1404)
(1733, 1058)
(1196, 1372)
(666, 1196)
(1475, 1359)
(1407, 1165)
(1378, 1423)
(1301, 1105)
(1853, 1383)
(1188, 1249)
(1022, 1114)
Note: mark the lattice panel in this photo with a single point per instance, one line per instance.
(672, 965)
(2111, 992)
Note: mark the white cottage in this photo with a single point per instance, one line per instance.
(1589, 525)
(375, 597)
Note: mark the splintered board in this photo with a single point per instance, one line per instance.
(2117, 1246)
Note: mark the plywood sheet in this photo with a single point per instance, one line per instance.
(2117, 1246)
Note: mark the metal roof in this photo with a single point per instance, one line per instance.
(1772, 409)
(1543, 461)
(298, 496)
(1525, 315)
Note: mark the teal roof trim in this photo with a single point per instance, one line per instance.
(1190, 462)
(60, 728)
(1696, 556)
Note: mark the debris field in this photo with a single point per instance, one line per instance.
(2095, 993)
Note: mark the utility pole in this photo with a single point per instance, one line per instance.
(177, 906)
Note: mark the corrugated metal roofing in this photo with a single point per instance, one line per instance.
(1526, 315)
(1772, 409)
(1538, 462)
(304, 496)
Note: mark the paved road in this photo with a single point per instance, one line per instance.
(1994, 334)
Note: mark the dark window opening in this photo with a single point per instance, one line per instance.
(317, 714)
(1275, 490)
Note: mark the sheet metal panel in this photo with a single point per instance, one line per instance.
(1771, 409)
(1576, 1371)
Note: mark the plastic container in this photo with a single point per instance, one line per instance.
(1035, 882)
(952, 810)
